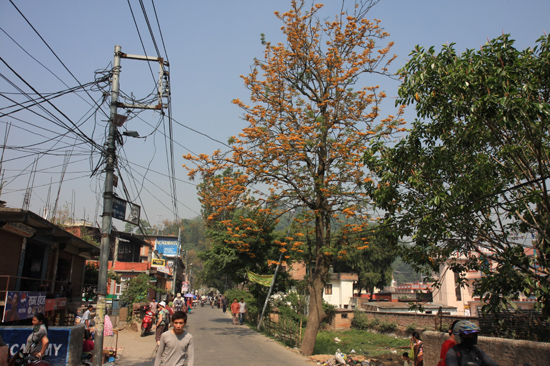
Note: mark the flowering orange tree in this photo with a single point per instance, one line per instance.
(309, 122)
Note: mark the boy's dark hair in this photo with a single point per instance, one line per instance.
(406, 354)
(179, 315)
(90, 306)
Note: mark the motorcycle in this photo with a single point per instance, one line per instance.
(147, 322)
(22, 358)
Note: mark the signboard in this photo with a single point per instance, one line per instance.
(23, 305)
(57, 352)
(168, 247)
(158, 262)
(125, 211)
(185, 287)
(20, 229)
(119, 209)
(165, 270)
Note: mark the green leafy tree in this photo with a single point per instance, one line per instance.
(471, 178)
(137, 289)
(373, 265)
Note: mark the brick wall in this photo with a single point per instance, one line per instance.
(342, 319)
(506, 352)
(418, 321)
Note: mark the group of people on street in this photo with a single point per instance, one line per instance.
(459, 350)
(175, 345)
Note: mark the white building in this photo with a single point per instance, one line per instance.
(339, 289)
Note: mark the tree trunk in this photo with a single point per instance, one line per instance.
(316, 314)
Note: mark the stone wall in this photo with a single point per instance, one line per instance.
(416, 321)
(506, 352)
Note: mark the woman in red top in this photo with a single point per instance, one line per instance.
(447, 345)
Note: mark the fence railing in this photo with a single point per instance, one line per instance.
(284, 329)
(526, 325)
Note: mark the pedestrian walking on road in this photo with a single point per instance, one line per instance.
(242, 311)
(176, 347)
(162, 321)
(235, 311)
(153, 306)
(225, 302)
(178, 303)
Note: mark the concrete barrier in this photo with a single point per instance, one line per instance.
(506, 352)
(65, 346)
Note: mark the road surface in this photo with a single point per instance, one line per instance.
(217, 342)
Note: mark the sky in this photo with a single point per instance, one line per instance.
(52, 46)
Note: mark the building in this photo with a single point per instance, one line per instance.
(41, 267)
(450, 293)
(339, 289)
(131, 255)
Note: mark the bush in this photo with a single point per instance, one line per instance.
(385, 327)
(411, 327)
(362, 321)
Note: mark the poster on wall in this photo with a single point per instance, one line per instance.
(57, 352)
(167, 247)
(23, 305)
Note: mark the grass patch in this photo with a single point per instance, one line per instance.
(363, 342)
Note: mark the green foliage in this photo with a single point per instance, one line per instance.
(363, 322)
(91, 272)
(403, 272)
(469, 182)
(386, 327)
(112, 275)
(361, 341)
(411, 327)
(254, 308)
(137, 289)
(373, 264)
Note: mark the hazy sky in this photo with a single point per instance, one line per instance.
(209, 44)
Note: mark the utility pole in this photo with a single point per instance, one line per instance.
(107, 218)
(175, 274)
(108, 195)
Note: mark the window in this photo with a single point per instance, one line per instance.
(328, 289)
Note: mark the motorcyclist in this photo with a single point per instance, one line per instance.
(466, 351)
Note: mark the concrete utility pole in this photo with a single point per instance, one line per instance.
(107, 219)
(175, 269)
(108, 194)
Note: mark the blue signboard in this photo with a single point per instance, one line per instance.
(58, 349)
(23, 305)
(119, 209)
(167, 247)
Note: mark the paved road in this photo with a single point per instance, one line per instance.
(217, 342)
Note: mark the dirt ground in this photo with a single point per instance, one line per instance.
(382, 360)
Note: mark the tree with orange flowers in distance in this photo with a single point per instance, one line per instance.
(310, 119)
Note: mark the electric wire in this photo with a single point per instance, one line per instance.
(140, 38)
(160, 31)
(47, 45)
(80, 134)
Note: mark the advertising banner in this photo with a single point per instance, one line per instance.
(264, 280)
(57, 352)
(168, 247)
(23, 305)
(158, 262)
(185, 287)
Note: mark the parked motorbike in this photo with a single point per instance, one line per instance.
(22, 358)
(147, 322)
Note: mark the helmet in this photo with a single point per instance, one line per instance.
(464, 327)
(162, 303)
